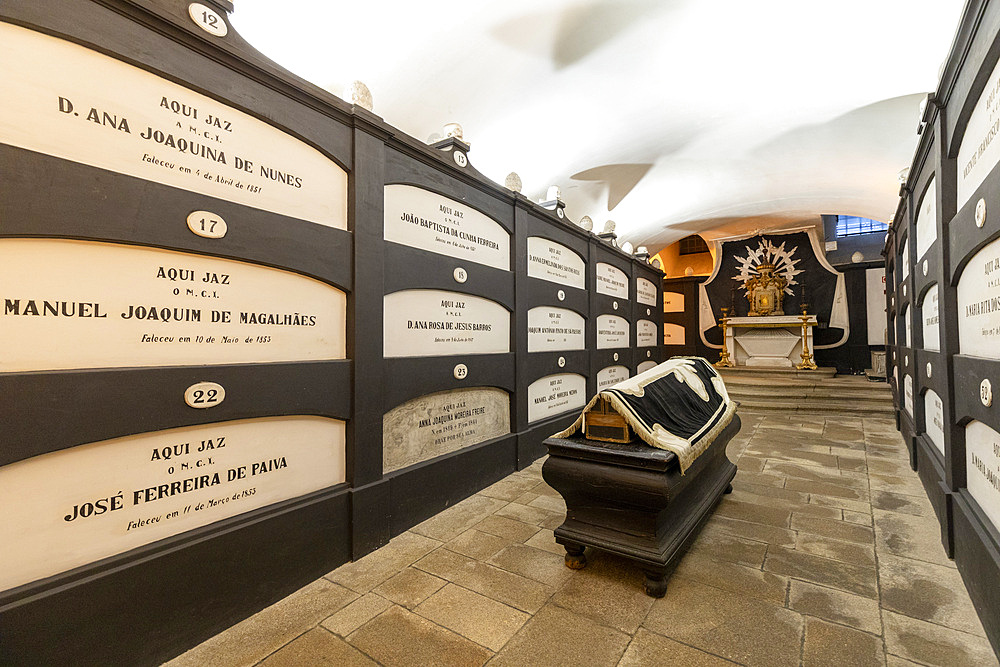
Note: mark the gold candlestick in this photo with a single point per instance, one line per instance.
(724, 361)
(807, 362)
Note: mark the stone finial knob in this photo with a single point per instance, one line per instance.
(361, 96)
(453, 130)
(627, 248)
(553, 193)
(586, 223)
(513, 182)
(641, 250)
(609, 227)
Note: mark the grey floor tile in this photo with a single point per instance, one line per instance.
(609, 590)
(927, 592)
(649, 649)
(837, 606)
(742, 629)
(936, 645)
(318, 648)
(474, 616)
(401, 637)
(830, 645)
(410, 587)
(557, 636)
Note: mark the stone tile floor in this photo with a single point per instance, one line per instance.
(827, 553)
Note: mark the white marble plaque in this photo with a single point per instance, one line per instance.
(80, 105)
(908, 394)
(436, 424)
(980, 150)
(104, 498)
(645, 292)
(612, 331)
(982, 456)
(904, 260)
(645, 366)
(929, 316)
(875, 305)
(423, 219)
(556, 263)
(611, 280)
(85, 304)
(908, 323)
(556, 394)
(673, 334)
(610, 376)
(979, 304)
(927, 221)
(551, 329)
(645, 333)
(934, 419)
(673, 302)
(430, 323)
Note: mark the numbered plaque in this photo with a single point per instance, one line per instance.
(108, 497)
(645, 366)
(612, 281)
(934, 418)
(555, 395)
(610, 376)
(645, 292)
(429, 323)
(208, 19)
(645, 333)
(443, 422)
(931, 320)
(552, 329)
(422, 219)
(555, 262)
(110, 305)
(982, 456)
(927, 221)
(979, 304)
(673, 302)
(612, 331)
(80, 105)
(980, 150)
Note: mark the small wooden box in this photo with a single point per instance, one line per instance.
(602, 423)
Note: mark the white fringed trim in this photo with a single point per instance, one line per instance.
(661, 439)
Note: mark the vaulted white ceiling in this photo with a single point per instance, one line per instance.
(667, 116)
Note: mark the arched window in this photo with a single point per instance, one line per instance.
(692, 245)
(852, 225)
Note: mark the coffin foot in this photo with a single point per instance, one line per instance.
(575, 558)
(729, 489)
(655, 584)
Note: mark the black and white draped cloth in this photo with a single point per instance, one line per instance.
(680, 405)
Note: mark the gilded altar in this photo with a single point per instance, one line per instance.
(776, 341)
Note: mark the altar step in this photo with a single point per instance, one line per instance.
(765, 372)
(820, 392)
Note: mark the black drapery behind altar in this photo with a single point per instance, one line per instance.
(795, 256)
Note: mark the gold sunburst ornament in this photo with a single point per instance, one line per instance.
(767, 274)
